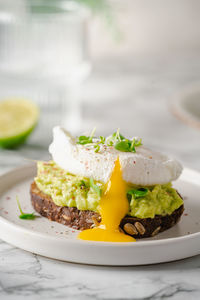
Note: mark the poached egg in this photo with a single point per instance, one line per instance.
(145, 167)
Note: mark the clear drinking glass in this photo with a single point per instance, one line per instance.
(44, 57)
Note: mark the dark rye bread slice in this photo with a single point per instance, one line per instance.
(84, 219)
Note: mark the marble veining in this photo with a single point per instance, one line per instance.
(144, 90)
(24, 274)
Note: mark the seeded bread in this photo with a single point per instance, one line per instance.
(85, 219)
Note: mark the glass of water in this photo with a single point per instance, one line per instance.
(44, 57)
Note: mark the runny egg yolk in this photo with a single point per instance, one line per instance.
(113, 207)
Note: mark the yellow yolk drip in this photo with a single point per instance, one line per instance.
(113, 207)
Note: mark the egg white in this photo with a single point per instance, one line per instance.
(145, 167)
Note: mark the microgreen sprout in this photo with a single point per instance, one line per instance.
(135, 143)
(24, 215)
(102, 139)
(118, 136)
(124, 146)
(97, 148)
(83, 139)
(138, 193)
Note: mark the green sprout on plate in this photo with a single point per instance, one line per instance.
(24, 215)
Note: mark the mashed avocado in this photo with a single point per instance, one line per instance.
(159, 200)
(76, 191)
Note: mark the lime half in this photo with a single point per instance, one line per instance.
(18, 118)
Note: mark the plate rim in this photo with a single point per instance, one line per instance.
(142, 243)
(177, 109)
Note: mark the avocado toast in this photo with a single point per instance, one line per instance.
(85, 219)
(69, 189)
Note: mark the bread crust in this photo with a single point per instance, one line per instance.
(85, 219)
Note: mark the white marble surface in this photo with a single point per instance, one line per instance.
(134, 97)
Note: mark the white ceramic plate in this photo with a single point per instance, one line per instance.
(57, 241)
(186, 105)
